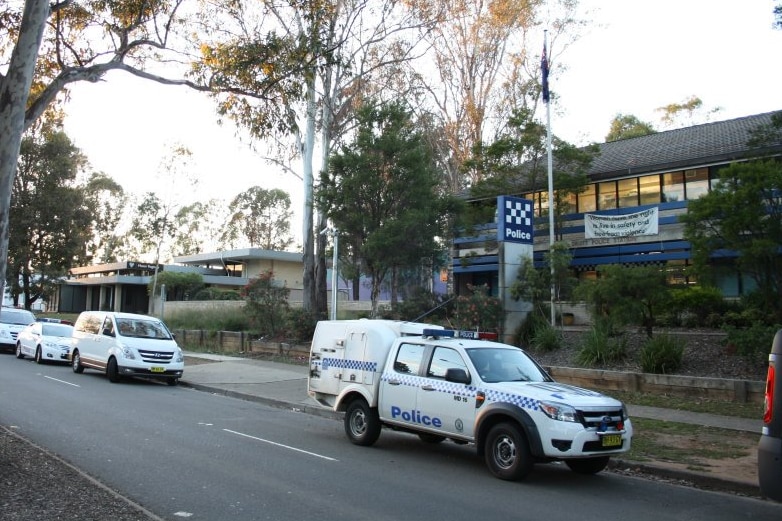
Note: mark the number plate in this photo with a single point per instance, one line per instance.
(611, 440)
(163, 370)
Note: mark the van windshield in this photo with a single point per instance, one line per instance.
(142, 328)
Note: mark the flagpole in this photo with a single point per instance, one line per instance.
(547, 100)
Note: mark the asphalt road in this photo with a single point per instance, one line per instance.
(186, 454)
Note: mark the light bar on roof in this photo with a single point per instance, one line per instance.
(454, 333)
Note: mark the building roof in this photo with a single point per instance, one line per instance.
(699, 145)
(234, 256)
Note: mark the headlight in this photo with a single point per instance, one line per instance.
(128, 353)
(180, 356)
(559, 411)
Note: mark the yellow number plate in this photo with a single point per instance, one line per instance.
(611, 440)
(163, 370)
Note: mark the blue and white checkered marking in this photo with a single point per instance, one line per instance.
(469, 391)
(357, 365)
(518, 213)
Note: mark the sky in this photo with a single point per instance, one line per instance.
(634, 57)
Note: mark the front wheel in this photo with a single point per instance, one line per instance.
(76, 363)
(19, 353)
(362, 423)
(588, 465)
(507, 453)
(38, 355)
(112, 371)
(172, 381)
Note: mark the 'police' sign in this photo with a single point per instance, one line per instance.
(514, 219)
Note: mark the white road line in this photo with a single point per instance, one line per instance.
(61, 381)
(281, 445)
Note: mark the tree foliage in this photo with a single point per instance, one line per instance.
(179, 286)
(381, 194)
(626, 126)
(743, 214)
(262, 217)
(626, 295)
(49, 219)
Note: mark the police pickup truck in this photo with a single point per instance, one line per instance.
(443, 384)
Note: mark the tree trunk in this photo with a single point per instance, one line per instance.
(308, 281)
(14, 93)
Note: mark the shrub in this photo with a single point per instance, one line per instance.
(752, 342)
(546, 338)
(600, 345)
(478, 311)
(300, 325)
(662, 354)
(267, 303)
(534, 321)
(212, 293)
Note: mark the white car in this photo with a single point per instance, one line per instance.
(45, 341)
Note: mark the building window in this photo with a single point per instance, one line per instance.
(673, 187)
(606, 195)
(649, 189)
(586, 199)
(697, 181)
(543, 208)
(628, 192)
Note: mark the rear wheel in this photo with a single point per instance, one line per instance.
(112, 371)
(507, 453)
(588, 465)
(76, 363)
(362, 423)
(38, 355)
(19, 353)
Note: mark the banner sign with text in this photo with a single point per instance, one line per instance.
(639, 223)
(514, 219)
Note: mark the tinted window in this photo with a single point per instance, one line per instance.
(19, 317)
(57, 330)
(408, 359)
(443, 359)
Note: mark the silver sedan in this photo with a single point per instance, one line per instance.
(45, 341)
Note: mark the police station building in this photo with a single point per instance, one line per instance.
(629, 212)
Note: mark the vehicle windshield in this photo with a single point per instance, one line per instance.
(505, 365)
(57, 330)
(16, 316)
(142, 328)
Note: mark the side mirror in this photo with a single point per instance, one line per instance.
(107, 332)
(457, 375)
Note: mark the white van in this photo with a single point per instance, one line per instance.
(125, 344)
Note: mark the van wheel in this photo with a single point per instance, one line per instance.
(19, 353)
(172, 381)
(588, 465)
(38, 355)
(112, 371)
(76, 363)
(362, 423)
(507, 453)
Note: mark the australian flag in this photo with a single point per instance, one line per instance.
(544, 71)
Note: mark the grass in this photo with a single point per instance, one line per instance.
(720, 407)
(657, 440)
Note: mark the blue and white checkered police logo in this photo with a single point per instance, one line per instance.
(515, 219)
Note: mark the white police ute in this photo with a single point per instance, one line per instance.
(459, 385)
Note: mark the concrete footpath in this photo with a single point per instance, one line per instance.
(285, 386)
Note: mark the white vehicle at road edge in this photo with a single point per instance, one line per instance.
(44, 341)
(125, 344)
(443, 384)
